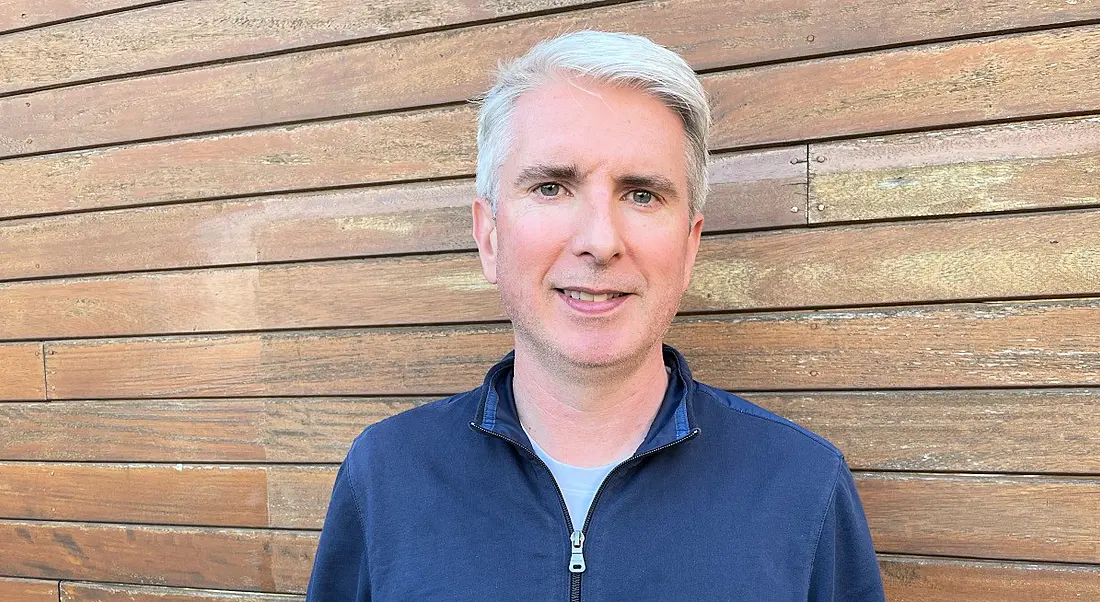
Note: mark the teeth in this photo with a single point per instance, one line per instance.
(583, 296)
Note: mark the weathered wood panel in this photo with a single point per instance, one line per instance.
(1030, 431)
(385, 148)
(748, 190)
(195, 31)
(945, 580)
(974, 258)
(241, 430)
(16, 14)
(1008, 167)
(241, 559)
(1023, 518)
(100, 592)
(439, 360)
(23, 372)
(27, 590)
(292, 497)
(997, 257)
(966, 345)
(403, 72)
(382, 291)
(1027, 431)
(1017, 76)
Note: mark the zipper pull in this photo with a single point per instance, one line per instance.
(576, 559)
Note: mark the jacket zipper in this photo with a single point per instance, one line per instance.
(576, 538)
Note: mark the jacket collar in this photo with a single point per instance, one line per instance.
(674, 420)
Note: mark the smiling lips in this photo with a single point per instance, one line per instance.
(587, 296)
(592, 301)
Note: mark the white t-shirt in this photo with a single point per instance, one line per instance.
(578, 485)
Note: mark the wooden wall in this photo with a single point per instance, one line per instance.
(233, 233)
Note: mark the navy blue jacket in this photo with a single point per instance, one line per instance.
(722, 501)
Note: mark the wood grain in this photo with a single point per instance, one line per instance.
(202, 557)
(385, 148)
(380, 291)
(100, 592)
(1027, 431)
(241, 430)
(1031, 431)
(1028, 165)
(292, 497)
(1022, 518)
(943, 260)
(16, 14)
(755, 189)
(1009, 77)
(23, 372)
(456, 64)
(415, 361)
(976, 258)
(915, 579)
(963, 345)
(194, 31)
(956, 345)
(27, 590)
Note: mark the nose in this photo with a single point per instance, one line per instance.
(597, 231)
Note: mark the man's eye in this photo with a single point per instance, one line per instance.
(642, 197)
(549, 189)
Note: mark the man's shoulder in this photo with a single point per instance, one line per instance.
(429, 424)
(768, 427)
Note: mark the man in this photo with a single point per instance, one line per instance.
(589, 465)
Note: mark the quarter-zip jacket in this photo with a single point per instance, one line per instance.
(722, 501)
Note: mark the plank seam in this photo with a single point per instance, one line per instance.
(103, 13)
(244, 58)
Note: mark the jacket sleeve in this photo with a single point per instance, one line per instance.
(340, 572)
(845, 568)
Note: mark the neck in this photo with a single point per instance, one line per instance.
(588, 417)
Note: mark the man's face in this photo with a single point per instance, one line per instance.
(593, 244)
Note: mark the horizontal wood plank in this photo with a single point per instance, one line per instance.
(194, 31)
(965, 345)
(946, 580)
(1028, 431)
(17, 14)
(384, 148)
(1009, 77)
(239, 430)
(748, 190)
(108, 592)
(23, 372)
(27, 590)
(974, 258)
(233, 559)
(292, 497)
(452, 65)
(1021, 518)
(995, 257)
(1016, 166)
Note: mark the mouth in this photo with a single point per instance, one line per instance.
(590, 295)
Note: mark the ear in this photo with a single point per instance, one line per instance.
(694, 235)
(485, 235)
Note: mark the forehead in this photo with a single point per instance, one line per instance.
(597, 127)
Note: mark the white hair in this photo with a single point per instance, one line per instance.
(611, 58)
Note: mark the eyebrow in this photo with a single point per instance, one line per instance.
(572, 174)
(543, 171)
